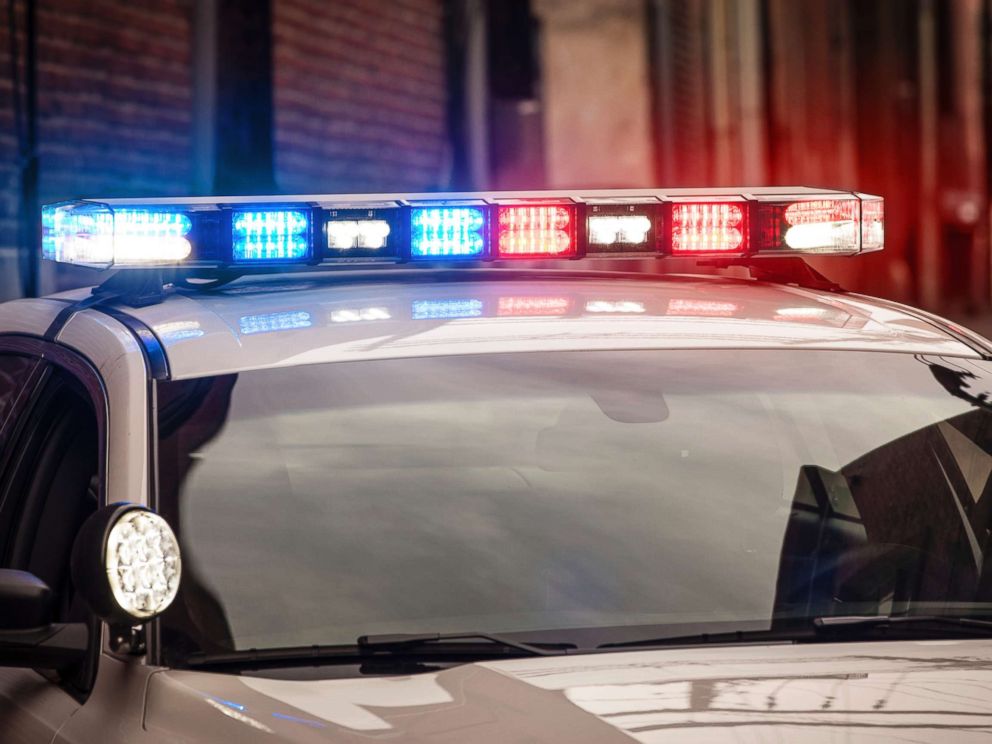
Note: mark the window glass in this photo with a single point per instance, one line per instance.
(14, 371)
(530, 493)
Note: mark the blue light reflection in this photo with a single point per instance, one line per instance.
(446, 309)
(271, 322)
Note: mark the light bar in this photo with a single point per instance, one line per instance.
(810, 226)
(248, 234)
(536, 232)
(281, 235)
(621, 228)
(357, 234)
(346, 234)
(872, 223)
(447, 232)
(702, 229)
(94, 235)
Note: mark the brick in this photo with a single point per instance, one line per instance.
(360, 95)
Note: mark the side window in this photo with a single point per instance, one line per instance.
(55, 483)
(51, 486)
(15, 371)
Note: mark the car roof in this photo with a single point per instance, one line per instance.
(288, 320)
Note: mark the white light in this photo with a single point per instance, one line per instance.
(150, 250)
(143, 565)
(823, 236)
(618, 306)
(344, 234)
(373, 233)
(125, 250)
(351, 315)
(628, 228)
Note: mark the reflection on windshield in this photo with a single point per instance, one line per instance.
(554, 492)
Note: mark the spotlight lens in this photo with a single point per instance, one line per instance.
(143, 564)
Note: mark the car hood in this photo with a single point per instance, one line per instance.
(852, 692)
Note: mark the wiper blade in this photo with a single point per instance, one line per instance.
(874, 621)
(442, 646)
(734, 636)
(820, 629)
(399, 641)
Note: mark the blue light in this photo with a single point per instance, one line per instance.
(229, 703)
(448, 232)
(96, 235)
(445, 309)
(296, 719)
(270, 235)
(148, 222)
(270, 322)
(173, 332)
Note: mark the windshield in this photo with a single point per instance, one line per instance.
(604, 495)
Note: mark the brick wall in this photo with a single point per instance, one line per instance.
(359, 102)
(359, 95)
(114, 105)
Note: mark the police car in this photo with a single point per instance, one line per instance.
(426, 468)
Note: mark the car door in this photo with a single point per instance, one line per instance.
(51, 445)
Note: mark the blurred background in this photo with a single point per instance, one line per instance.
(101, 98)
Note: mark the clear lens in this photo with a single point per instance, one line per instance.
(142, 563)
(536, 232)
(708, 228)
(625, 229)
(872, 224)
(822, 226)
(346, 234)
(94, 235)
(450, 232)
(270, 235)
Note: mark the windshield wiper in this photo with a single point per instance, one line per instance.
(399, 641)
(820, 629)
(442, 646)
(874, 621)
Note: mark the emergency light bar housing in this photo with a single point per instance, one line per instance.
(247, 233)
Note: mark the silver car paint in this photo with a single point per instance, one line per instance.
(318, 321)
(854, 692)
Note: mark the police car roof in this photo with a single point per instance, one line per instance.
(288, 320)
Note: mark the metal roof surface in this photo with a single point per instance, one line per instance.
(304, 319)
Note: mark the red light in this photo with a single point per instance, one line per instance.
(819, 211)
(707, 228)
(536, 232)
(538, 306)
(872, 224)
(702, 308)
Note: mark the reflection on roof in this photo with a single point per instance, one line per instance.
(250, 326)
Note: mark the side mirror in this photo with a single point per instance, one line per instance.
(28, 637)
(25, 601)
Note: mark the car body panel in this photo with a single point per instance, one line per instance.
(31, 317)
(318, 320)
(854, 692)
(933, 691)
(117, 356)
(31, 707)
(115, 709)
